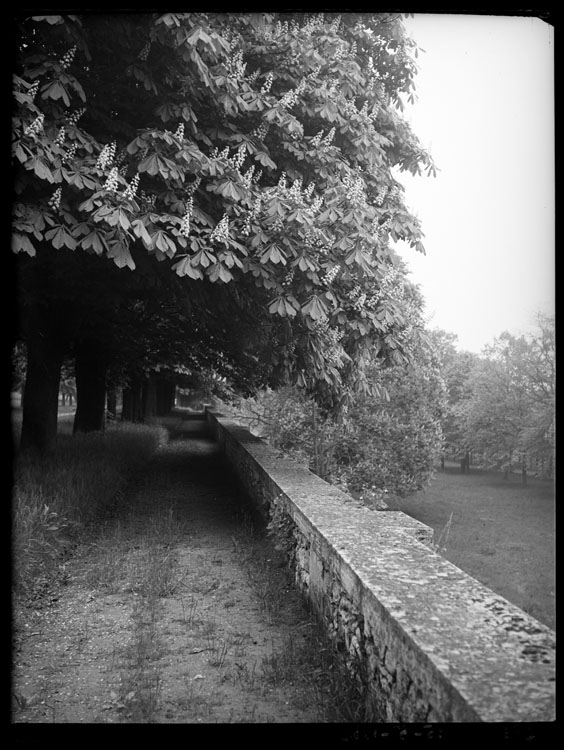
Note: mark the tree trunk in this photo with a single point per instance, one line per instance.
(165, 397)
(111, 403)
(149, 399)
(90, 375)
(131, 410)
(41, 394)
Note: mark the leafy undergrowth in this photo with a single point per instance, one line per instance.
(53, 499)
(497, 531)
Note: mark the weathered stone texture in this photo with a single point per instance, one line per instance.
(428, 642)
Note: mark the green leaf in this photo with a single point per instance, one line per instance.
(95, 241)
(315, 309)
(185, 268)
(22, 153)
(265, 160)
(21, 243)
(162, 241)
(61, 237)
(284, 306)
(119, 253)
(273, 254)
(203, 258)
(140, 231)
(40, 169)
(55, 90)
(150, 164)
(218, 272)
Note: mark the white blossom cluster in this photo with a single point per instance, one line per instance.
(272, 33)
(340, 52)
(111, 183)
(391, 287)
(312, 24)
(382, 190)
(333, 351)
(385, 227)
(335, 23)
(107, 156)
(355, 188)
(32, 91)
(265, 88)
(185, 224)
(131, 189)
(330, 275)
(261, 131)
(236, 67)
(36, 126)
(374, 82)
(292, 96)
(144, 54)
(289, 278)
(358, 298)
(221, 231)
(55, 199)
(295, 193)
(315, 240)
(361, 115)
(252, 214)
(68, 57)
(235, 161)
(248, 176)
(60, 139)
(70, 154)
(329, 88)
(323, 142)
(76, 115)
(194, 186)
(180, 132)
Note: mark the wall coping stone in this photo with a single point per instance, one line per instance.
(496, 660)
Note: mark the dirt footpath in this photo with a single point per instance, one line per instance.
(176, 610)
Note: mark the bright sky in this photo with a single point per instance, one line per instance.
(485, 111)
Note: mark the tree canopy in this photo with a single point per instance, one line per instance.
(510, 409)
(377, 445)
(248, 155)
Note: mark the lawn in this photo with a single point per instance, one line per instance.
(501, 533)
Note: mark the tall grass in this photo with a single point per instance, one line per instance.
(54, 498)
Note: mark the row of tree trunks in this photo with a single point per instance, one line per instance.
(143, 401)
(146, 399)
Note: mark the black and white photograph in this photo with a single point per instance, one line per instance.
(283, 373)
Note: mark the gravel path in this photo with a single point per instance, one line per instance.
(178, 610)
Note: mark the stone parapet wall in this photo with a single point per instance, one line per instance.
(427, 642)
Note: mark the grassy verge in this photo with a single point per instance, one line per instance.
(53, 499)
(311, 664)
(497, 531)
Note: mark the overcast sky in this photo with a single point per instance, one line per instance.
(485, 111)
